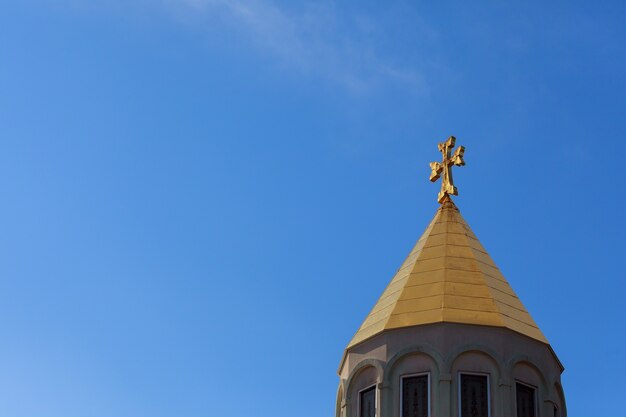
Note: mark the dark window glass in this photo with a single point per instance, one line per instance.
(368, 402)
(415, 396)
(525, 400)
(474, 396)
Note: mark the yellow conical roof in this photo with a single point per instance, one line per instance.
(448, 277)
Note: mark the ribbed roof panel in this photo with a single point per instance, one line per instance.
(448, 277)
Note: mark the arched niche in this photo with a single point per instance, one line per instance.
(559, 397)
(366, 374)
(340, 400)
(409, 362)
(475, 360)
(528, 373)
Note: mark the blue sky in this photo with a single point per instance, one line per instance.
(202, 199)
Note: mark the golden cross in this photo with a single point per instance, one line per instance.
(447, 184)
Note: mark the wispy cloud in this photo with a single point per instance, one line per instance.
(311, 39)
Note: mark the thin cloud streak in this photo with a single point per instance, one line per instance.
(310, 41)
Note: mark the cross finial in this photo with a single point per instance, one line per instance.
(445, 167)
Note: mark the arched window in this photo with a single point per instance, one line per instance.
(474, 395)
(525, 399)
(415, 400)
(367, 402)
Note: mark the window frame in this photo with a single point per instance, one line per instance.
(535, 398)
(369, 387)
(402, 388)
(488, 389)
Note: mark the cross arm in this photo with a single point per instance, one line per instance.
(457, 157)
(435, 171)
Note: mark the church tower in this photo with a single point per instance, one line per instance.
(449, 337)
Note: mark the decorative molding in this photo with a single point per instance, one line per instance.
(360, 367)
(456, 353)
(525, 359)
(412, 350)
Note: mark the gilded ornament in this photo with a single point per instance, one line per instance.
(444, 168)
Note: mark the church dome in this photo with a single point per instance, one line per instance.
(449, 337)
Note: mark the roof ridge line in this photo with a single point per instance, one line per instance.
(447, 261)
(426, 235)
